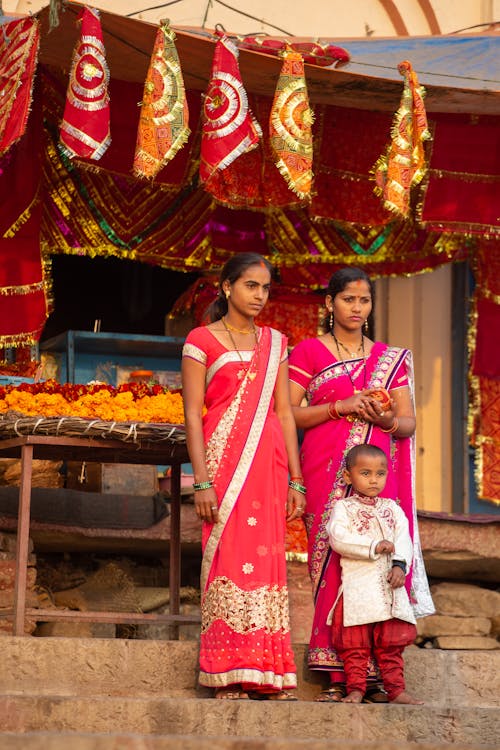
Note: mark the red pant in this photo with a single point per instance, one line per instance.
(385, 641)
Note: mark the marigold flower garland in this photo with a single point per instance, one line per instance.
(131, 402)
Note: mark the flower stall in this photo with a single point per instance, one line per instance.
(132, 424)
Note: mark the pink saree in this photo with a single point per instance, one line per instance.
(325, 379)
(245, 630)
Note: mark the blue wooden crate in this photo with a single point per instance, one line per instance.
(83, 356)
(14, 380)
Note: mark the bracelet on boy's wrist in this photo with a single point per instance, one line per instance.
(399, 564)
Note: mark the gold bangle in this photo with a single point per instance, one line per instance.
(394, 427)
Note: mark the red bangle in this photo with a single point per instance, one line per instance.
(394, 427)
(333, 407)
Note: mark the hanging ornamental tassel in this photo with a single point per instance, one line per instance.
(290, 125)
(229, 128)
(85, 131)
(19, 45)
(403, 166)
(163, 124)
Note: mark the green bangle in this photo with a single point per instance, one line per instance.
(202, 485)
(296, 486)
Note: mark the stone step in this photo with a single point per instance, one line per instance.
(108, 741)
(88, 667)
(264, 719)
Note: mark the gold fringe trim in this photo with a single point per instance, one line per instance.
(464, 176)
(23, 218)
(294, 184)
(20, 339)
(176, 146)
(23, 289)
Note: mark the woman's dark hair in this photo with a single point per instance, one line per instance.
(338, 283)
(232, 270)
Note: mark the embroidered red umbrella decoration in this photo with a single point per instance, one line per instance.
(403, 164)
(163, 124)
(19, 45)
(85, 130)
(229, 127)
(290, 125)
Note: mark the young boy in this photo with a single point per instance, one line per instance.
(372, 614)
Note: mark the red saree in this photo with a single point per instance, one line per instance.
(245, 630)
(313, 367)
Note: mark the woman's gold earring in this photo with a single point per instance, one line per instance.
(331, 320)
(228, 294)
(366, 327)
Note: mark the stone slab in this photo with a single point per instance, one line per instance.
(108, 741)
(467, 642)
(438, 625)
(141, 668)
(213, 718)
(466, 600)
(462, 547)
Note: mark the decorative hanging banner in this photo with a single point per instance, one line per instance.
(290, 126)
(19, 43)
(85, 128)
(403, 164)
(164, 120)
(229, 129)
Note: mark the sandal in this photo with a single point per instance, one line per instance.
(333, 694)
(231, 693)
(280, 695)
(375, 694)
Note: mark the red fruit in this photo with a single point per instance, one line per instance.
(383, 396)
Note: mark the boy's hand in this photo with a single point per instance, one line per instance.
(384, 547)
(396, 577)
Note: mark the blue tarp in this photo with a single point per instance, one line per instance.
(465, 62)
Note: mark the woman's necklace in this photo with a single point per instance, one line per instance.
(346, 369)
(244, 367)
(229, 327)
(349, 351)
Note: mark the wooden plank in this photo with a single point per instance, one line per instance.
(96, 449)
(22, 543)
(129, 43)
(118, 618)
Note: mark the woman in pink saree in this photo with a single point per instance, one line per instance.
(340, 375)
(242, 443)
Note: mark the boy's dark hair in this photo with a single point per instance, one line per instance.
(364, 449)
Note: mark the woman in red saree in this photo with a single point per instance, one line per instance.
(242, 443)
(337, 374)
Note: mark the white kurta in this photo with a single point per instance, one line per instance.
(355, 529)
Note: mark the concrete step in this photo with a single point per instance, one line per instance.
(258, 719)
(88, 667)
(143, 695)
(77, 741)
